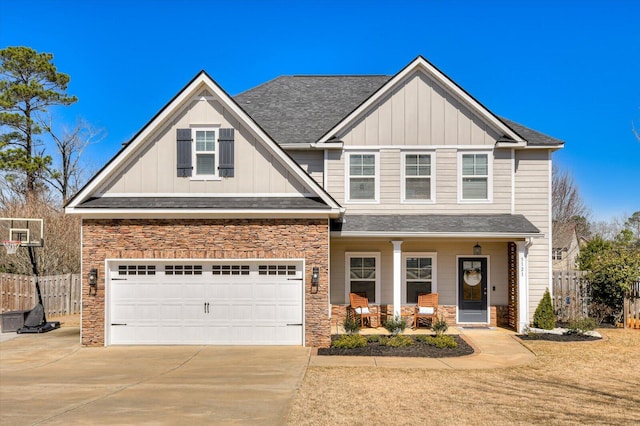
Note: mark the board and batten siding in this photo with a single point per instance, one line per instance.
(153, 168)
(532, 186)
(419, 112)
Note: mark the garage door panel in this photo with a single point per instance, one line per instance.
(206, 308)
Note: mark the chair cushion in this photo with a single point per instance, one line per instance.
(425, 310)
(364, 310)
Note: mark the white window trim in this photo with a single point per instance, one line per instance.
(489, 198)
(194, 154)
(347, 272)
(347, 176)
(434, 271)
(403, 181)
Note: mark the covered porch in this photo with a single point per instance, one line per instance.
(479, 267)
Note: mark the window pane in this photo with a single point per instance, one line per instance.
(468, 164)
(205, 140)
(363, 268)
(474, 189)
(362, 189)
(368, 160)
(481, 165)
(365, 287)
(417, 287)
(418, 189)
(205, 164)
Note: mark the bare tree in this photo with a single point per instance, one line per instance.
(61, 251)
(68, 173)
(568, 207)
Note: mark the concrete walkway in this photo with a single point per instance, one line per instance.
(494, 348)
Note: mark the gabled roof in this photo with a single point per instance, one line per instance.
(307, 109)
(300, 109)
(201, 81)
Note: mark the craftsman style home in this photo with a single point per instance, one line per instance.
(250, 219)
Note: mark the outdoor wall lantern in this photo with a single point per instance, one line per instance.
(315, 279)
(93, 281)
(477, 249)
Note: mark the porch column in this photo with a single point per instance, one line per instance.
(523, 286)
(397, 278)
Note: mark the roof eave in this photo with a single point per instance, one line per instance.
(470, 235)
(110, 213)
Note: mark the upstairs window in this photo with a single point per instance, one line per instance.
(417, 178)
(362, 177)
(475, 173)
(205, 152)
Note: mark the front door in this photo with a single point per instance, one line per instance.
(472, 290)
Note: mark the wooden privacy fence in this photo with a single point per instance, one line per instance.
(571, 295)
(632, 307)
(60, 293)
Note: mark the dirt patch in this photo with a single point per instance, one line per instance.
(418, 349)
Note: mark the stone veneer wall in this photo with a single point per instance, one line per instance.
(206, 239)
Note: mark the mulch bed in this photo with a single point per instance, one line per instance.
(418, 349)
(559, 337)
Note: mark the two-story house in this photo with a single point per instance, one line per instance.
(250, 219)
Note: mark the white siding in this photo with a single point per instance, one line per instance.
(533, 169)
(311, 162)
(446, 177)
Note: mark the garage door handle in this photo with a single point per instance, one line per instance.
(119, 323)
(293, 324)
(294, 279)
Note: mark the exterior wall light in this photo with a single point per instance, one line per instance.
(315, 279)
(93, 282)
(477, 250)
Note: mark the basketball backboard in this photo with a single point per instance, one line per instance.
(28, 231)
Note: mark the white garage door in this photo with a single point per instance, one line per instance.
(212, 302)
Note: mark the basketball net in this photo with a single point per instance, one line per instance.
(11, 246)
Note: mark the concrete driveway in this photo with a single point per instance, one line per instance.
(50, 379)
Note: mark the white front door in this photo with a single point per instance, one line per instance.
(205, 302)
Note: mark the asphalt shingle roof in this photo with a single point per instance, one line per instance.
(437, 223)
(240, 203)
(301, 109)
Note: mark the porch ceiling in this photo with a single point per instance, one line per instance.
(437, 225)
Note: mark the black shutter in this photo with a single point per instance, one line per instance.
(225, 143)
(184, 153)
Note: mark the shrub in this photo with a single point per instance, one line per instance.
(349, 341)
(422, 338)
(373, 338)
(442, 341)
(582, 325)
(439, 326)
(544, 317)
(395, 325)
(397, 341)
(350, 325)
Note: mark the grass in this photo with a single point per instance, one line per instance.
(568, 383)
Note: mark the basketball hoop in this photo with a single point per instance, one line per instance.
(11, 246)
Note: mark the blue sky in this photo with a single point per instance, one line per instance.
(570, 69)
